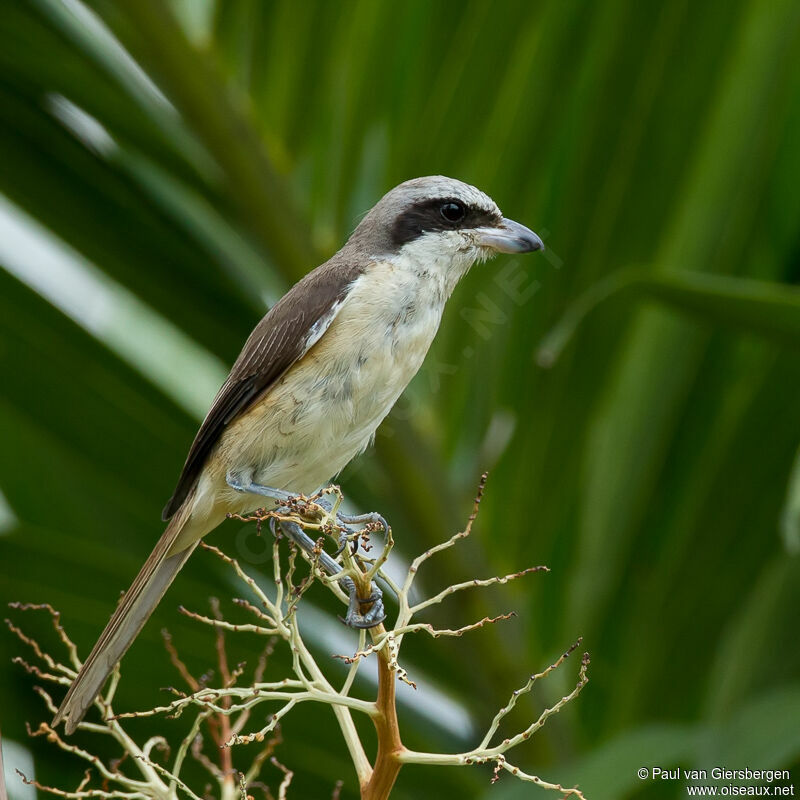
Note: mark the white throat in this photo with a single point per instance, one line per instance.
(439, 259)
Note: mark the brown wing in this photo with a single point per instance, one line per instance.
(283, 336)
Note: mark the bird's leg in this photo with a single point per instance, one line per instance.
(245, 485)
(295, 533)
(354, 618)
(287, 501)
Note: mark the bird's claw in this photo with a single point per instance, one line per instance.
(371, 518)
(347, 536)
(354, 618)
(288, 505)
(344, 539)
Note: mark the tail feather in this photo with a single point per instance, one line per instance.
(133, 611)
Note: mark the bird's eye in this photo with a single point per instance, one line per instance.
(452, 211)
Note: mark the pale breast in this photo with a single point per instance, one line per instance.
(327, 407)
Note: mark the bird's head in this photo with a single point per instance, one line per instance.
(441, 223)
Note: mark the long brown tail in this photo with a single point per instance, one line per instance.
(133, 611)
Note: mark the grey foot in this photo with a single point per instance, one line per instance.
(293, 531)
(346, 536)
(370, 518)
(343, 520)
(354, 618)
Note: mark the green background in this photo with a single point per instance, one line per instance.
(190, 160)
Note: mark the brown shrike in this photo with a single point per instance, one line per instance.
(313, 382)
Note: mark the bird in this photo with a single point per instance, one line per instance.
(313, 382)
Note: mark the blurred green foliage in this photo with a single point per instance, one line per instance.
(201, 155)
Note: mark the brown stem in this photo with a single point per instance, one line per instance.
(223, 720)
(387, 763)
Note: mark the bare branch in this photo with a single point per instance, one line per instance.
(474, 583)
(79, 794)
(221, 624)
(421, 559)
(220, 715)
(524, 690)
(55, 617)
(287, 779)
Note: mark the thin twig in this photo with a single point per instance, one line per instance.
(287, 778)
(220, 715)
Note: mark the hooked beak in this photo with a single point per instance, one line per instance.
(509, 237)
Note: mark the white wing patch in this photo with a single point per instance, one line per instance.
(317, 330)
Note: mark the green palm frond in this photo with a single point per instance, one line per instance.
(186, 161)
